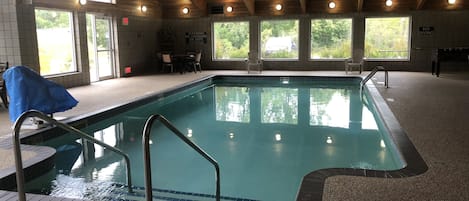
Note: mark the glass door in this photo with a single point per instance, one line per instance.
(100, 47)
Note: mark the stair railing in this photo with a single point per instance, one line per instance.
(17, 148)
(146, 153)
(373, 72)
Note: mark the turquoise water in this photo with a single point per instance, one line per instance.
(266, 135)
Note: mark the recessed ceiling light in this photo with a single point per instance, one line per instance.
(229, 9)
(144, 8)
(185, 10)
(278, 7)
(331, 4)
(451, 2)
(388, 3)
(83, 2)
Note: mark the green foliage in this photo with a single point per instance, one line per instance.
(55, 44)
(387, 37)
(102, 31)
(46, 19)
(231, 40)
(331, 38)
(281, 54)
(280, 28)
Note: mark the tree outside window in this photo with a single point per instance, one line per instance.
(331, 38)
(231, 40)
(387, 38)
(55, 40)
(279, 39)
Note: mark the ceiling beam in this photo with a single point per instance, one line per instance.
(420, 4)
(360, 5)
(200, 4)
(250, 6)
(303, 6)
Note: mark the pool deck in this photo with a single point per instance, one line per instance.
(432, 111)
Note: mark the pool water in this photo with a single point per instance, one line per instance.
(265, 134)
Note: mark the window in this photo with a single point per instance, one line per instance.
(279, 39)
(387, 38)
(231, 40)
(331, 38)
(55, 40)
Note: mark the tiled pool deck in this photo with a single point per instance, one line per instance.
(433, 112)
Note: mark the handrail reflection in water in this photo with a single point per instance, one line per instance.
(17, 148)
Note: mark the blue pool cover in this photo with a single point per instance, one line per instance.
(30, 91)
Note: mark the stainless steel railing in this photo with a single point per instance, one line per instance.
(146, 153)
(17, 148)
(373, 72)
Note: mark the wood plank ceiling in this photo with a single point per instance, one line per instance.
(201, 8)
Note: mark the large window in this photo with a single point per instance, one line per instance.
(231, 40)
(387, 38)
(55, 40)
(331, 38)
(279, 39)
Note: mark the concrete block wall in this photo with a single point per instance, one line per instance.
(9, 39)
(18, 40)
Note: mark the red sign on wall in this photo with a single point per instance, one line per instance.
(125, 21)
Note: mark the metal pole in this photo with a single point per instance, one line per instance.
(146, 154)
(18, 159)
(146, 158)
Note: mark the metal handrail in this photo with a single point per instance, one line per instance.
(17, 149)
(373, 72)
(146, 153)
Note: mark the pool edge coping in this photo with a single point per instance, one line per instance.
(312, 185)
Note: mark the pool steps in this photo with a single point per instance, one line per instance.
(120, 193)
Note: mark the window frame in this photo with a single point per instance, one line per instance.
(104, 1)
(259, 47)
(72, 27)
(409, 39)
(310, 48)
(213, 39)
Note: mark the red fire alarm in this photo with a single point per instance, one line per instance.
(127, 70)
(125, 21)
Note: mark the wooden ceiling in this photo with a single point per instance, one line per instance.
(201, 8)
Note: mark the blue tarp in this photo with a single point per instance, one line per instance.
(29, 91)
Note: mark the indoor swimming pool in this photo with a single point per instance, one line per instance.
(267, 133)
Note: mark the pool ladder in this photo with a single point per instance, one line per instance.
(373, 72)
(146, 153)
(17, 148)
